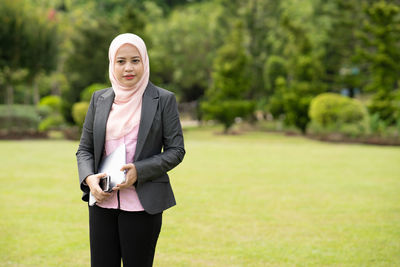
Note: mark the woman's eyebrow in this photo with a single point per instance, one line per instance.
(120, 57)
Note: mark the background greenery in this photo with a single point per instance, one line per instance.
(252, 200)
(273, 56)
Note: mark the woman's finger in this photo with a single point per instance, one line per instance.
(101, 175)
(126, 167)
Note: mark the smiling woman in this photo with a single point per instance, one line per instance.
(129, 67)
(125, 223)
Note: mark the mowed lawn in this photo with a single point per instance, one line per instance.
(256, 199)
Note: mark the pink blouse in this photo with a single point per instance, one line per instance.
(128, 198)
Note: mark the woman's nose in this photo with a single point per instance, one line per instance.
(129, 67)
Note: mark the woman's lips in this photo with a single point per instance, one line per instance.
(129, 77)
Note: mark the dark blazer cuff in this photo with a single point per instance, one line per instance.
(84, 187)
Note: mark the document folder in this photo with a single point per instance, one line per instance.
(111, 165)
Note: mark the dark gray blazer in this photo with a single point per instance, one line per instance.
(159, 145)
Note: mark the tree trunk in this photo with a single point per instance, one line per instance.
(10, 94)
(55, 88)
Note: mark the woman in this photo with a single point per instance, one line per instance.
(125, 224)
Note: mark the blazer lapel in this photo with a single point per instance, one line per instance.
(149, 108)
(103, 107)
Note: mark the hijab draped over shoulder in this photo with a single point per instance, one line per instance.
(126, 109)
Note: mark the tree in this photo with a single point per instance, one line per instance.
(226, 98)
(339, 44)
(88, 61)
(380, 53)
(28, 40)
(304, 72)
(183, 47)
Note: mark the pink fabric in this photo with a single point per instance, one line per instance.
(128, 198)
(126, 110)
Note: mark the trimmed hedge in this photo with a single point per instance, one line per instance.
(331, 109)
(19, 117)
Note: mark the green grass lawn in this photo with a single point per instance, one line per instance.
(256, 199)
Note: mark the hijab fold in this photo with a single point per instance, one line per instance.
(126, 109)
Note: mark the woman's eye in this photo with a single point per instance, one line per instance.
(136, 60)
(120, 61)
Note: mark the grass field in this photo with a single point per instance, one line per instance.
(257, 199)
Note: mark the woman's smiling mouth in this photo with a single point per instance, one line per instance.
(129, 76)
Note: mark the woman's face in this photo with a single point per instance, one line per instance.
(128, 66)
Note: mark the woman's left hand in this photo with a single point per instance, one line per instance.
(130, 176)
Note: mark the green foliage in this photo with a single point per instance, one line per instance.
(296, 105)
(288, 51)
(86, 94)
(386, 106)
(275, 103)
(292, 102)
(274, 68)
(18, 117)
(53, 102)
(330, 109)
(226, 97)
(44, 111)
(11, 79)
(342, 18)
(377, 126)
(134, 20)
(183, 48)
(380, 53)
(28, 41)
(231, 72)
(79, 110)
(50, 108)
(226, 111)
(331, 112)
(88, 62)
(54, 83)
(52, 122)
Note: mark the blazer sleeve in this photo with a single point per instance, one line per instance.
(173, 146)
(85, 153)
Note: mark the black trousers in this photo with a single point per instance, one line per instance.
(117, 234)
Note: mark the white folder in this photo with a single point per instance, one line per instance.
(111, 165)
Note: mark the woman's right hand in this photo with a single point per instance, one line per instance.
(93, 182)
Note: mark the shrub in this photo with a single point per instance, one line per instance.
(376, 124)
(227, 111)
(51, 101)
(19, 117)
(88, 91)
(43, 111)
(330, 109)
(79, 112)
(51, 122)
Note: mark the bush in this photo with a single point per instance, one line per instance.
(376, 124)
(43, 111)
(330, 109)
(52, 122)
(227, 111)
(79, 112)
(51, 101)
(19, 117)
(87, 93)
